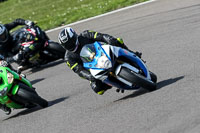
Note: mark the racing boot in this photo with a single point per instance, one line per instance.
(98, 85)
(101, 92)
(6, 109)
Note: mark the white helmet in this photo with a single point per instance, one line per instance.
(68, 39)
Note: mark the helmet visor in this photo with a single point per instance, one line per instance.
(71, 44)
(3, 37)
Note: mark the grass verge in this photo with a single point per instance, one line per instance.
(53, 13)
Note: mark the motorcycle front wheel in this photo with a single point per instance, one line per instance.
(137, 79)
(29, 95)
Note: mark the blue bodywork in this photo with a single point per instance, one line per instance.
(121, 53)
(134, 58)
(99, 50)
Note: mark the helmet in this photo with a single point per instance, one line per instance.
(3, 34)
(68, 39)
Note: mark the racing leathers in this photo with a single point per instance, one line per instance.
(75, 63)
(10, 50)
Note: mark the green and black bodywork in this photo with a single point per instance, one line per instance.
(17, 92)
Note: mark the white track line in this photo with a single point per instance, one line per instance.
(118, 10)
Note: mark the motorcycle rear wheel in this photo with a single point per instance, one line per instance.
(56, 49)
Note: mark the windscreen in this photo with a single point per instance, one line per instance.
(88, 53)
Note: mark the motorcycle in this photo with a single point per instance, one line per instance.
(49, 52)
(117, 67)
(17, 92)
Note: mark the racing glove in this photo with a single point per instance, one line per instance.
(26, 22)
(29, 23)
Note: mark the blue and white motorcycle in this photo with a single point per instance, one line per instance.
(117, 67)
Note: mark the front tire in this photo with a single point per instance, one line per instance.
(137, 79)
(153, 77)
(30, 96)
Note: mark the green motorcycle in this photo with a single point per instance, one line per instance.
(17, 92)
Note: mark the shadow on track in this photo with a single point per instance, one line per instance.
(51, 64)
(56, 101)
(36, 81)
(37, 108)
(166, 82)
(48, 65)
(160, 85)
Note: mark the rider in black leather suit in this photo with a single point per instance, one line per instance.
(8, 43)
(73, 43)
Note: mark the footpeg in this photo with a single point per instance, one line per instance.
(119, 90)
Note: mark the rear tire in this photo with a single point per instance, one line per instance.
(137, 79)
(56, 49)
(31, 96)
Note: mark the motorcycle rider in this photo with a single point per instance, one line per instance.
(8, 43)
(73, 44)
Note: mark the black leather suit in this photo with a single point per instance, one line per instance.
(10, 49)
(6, 49)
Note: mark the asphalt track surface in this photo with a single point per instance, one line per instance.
(167, 32)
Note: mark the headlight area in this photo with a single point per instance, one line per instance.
(10, 78)
(104, 62)
(4, 91)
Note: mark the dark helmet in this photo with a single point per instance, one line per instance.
(3, 34)
(68, 39)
